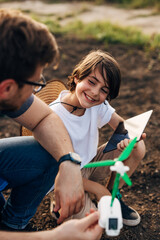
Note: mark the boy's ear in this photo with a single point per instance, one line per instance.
(8, 88)
(75, 80)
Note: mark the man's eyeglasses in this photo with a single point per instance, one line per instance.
(37, 85)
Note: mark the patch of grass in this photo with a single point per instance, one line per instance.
(53, 26)
(84, 8)
(122, 3)
(155, 41)
(105, 32)
(155, 4)
(142, 3)
(6, 1)
(109, 33)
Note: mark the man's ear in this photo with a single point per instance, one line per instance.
(8, 88)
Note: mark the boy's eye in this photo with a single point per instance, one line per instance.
(91, 82)
(105, 90)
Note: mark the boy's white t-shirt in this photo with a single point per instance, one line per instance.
(83, 130)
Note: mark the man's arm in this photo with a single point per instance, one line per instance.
(47, 128)
(86, 228)
(50, 132)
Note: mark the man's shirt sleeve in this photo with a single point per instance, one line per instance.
(22, 110)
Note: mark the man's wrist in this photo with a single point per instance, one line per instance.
(72, 157)
(68, 164)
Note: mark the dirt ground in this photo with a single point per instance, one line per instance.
(139, 92)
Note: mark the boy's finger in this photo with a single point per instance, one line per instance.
(143, 136)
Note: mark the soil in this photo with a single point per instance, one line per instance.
(139, 93)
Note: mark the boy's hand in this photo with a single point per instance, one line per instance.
(124, 143)
(143, 136)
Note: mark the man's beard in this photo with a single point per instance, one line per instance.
(6, 106)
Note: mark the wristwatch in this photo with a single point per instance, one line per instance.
(73, 157)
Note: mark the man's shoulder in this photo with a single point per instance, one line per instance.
(23, 109)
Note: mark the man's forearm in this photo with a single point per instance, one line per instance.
(53, 136)
(20, 235)
(42, 235)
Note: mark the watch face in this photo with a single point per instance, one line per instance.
(75, 156)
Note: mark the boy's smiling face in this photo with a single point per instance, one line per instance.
(92, 90)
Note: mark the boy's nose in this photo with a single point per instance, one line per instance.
(95, 92)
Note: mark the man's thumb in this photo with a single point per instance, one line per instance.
(90, 219)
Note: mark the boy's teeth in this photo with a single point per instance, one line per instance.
(89, 98)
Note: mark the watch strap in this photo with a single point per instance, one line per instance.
(68, 157)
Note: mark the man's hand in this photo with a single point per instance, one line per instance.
(79, 229)
(86, 228)
(69, 192)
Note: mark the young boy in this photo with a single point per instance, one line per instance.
(85, 108)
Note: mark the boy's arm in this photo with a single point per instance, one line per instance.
(115, 120)
(95, 188)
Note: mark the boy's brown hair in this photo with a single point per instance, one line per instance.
(107, 66)
(24, 45)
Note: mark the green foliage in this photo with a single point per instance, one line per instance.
(155, 42)
(53, 26)
(125, 3)
(137, 3)
(122, 3)
(5, 1)
(105, 32)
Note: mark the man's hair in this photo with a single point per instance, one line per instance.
(24, 45)
(107, 66)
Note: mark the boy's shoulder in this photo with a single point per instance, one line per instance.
(105, 106)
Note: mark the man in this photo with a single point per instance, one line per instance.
(86, 228)
(30, 165)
